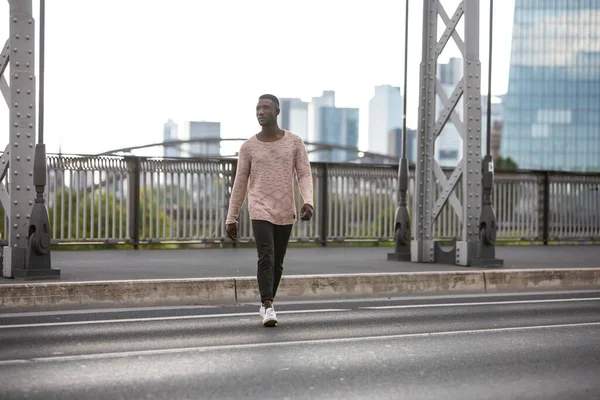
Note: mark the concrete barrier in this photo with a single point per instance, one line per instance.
(149, 292)
(230, 291)
(542, 279)
(296, 287)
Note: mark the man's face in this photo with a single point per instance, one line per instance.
(266, 112)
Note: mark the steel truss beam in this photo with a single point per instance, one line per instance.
(4, 59)
(20, 258)
(467, 176)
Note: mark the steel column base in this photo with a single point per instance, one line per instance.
(422, 251)
(444, 256)
(469, 254)
(12, 258)
(486, 256)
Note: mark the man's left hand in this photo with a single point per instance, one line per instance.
(306, 213)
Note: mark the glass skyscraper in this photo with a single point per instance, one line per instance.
(553, 101)
(339, 126)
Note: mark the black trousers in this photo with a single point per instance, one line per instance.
(271, 245)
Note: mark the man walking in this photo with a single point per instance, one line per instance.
(267, 163)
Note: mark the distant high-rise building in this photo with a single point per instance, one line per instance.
(553, 100)
(497, 125)
(327, 99)
(451, 72)
(338, 126)
(395, 143)
(385, 115)
(170, 133)
(204, 130)
(294, 116)
(448, 145)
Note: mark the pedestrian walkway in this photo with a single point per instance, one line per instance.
(106, 265)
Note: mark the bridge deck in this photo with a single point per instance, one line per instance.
(160, 264)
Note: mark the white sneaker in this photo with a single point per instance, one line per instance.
(270, 319)
(262, 312)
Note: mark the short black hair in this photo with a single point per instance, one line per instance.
(270, 97)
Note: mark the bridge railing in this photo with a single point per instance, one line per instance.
(110, 199)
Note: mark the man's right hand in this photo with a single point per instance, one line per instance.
(231, 230)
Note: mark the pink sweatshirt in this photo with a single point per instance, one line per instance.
(265, 171)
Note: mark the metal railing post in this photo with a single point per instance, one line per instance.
(323, 204)
(134, 199)
(231, 181)
(546, 208)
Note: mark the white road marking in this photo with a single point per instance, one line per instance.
(105, 310)
(247, 314)
(482, 303)
(154, 352)
(149, 319)
(310, 303)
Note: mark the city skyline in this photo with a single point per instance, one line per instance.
(109, 88)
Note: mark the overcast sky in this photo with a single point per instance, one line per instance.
(116, 70)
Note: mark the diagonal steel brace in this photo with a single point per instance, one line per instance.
(449, 109)
(451, 29)
(454, 202)
(447, 190)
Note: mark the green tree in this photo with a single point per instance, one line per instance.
(85, 215)
(152, 215)
(82, 213)
(505, 164)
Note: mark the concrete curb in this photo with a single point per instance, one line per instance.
(542, 279)
(148, 292)
(296, 287)
(230, 291)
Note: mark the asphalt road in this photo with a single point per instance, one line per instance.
(534, 346)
